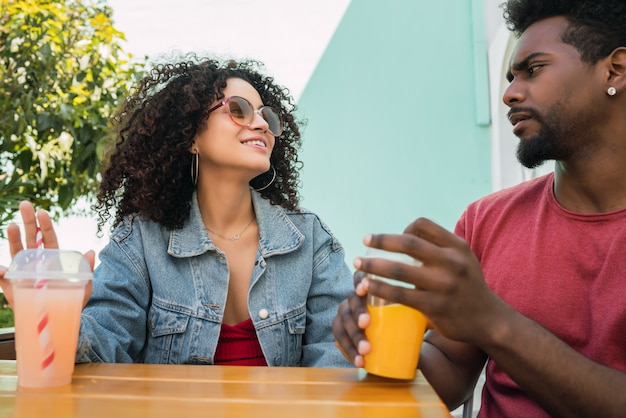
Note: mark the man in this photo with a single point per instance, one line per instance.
(534, 280)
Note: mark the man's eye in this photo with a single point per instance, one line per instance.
(533, 68)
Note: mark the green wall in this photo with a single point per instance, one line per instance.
(392, 129)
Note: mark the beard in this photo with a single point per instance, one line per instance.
(557, 139)
(535, 151)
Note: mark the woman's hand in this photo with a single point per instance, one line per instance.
(32, 221)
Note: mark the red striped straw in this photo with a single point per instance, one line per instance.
(43, 329)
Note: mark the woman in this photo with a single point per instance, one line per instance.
(211, 260)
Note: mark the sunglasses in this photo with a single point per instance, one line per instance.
(242, 113)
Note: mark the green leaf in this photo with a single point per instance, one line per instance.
(45, 92)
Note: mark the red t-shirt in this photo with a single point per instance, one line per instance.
(564, 270)
(238, 345)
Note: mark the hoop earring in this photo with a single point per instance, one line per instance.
(194, 168)
(611, 91)
(268, 184)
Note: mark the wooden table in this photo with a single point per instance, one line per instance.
(142, 390)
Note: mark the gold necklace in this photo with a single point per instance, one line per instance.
(232, 237)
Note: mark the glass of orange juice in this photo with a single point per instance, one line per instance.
(395, 331)
(48, 290)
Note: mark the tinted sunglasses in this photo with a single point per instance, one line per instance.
(242, 113)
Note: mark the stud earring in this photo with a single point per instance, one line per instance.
(611, 91)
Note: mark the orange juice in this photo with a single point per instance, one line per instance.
(63, 306)
(395, 333)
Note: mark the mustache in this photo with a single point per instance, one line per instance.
(520, 109)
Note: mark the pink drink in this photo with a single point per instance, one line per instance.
(48, 292)
(63, 305)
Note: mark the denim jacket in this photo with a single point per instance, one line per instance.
(158, 295)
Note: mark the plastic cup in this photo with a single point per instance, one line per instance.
(48, 291)
(395, 331)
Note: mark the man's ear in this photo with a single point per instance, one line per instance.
(616, 74)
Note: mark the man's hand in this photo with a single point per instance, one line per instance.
(351, 319)
(449, 287)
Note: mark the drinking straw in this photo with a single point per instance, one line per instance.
(43, 329)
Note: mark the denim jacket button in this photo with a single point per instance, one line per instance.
(263, 313)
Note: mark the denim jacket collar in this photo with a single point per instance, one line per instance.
(277, 234)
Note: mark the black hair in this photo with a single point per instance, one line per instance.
(148, 171)
(596, 27)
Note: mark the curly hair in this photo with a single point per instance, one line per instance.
(148, 171)
(596, 27)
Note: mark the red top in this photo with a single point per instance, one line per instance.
(564, 270)
(238, 345)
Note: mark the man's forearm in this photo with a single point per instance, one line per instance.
(558, 378)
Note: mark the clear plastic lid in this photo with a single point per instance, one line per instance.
(49, 264)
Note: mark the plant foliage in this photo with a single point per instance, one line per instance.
(63, 72)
